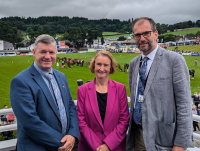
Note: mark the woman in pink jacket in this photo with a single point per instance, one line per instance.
(102, 109)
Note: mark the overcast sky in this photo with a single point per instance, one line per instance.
(162, 11)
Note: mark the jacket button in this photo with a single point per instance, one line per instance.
(102, 132)
(59, 124)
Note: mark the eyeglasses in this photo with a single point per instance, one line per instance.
(144, 34)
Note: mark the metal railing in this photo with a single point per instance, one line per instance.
(10, 144)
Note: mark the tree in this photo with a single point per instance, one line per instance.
(161, 37)
(72, 34)
(53, 34)
(9, 33)
(29, 30)
(68, 44)
(191, 34)
(198, 23)
(171, 28)
(198, 34)
(40, 29)
(102, 40)
(92, 34)
(19, 45)
(121, 38)
(190, 24)
(169, 37)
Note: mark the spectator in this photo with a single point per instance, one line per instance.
(11, 118)
(3, 117)
(82, 63)
(196, 112)
(57, 65)
(195, 62)
(196, 99)
(63, 64)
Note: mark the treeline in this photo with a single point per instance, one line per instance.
(60, 24)
(71, 27)
(162, 28)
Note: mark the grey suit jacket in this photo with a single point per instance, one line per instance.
(166, 110)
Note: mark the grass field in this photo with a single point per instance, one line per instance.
(10, 66)
(184, 32)
(110, 33)
(194, 48)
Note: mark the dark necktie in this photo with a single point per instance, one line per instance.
(141, 84)
(56, 93)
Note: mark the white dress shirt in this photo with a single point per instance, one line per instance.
(149, 63)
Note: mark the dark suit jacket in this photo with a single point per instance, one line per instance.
(166, 109)
(38, 122)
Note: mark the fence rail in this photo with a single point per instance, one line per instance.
(10, 144)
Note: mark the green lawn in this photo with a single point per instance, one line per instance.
(10, 66)
(110, 33)
(184, 32)
(194, 48)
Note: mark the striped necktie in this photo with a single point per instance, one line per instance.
(142, 80)
(57, 95)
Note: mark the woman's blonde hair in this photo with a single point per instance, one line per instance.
(105, 54)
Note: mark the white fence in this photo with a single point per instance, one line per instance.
(8, 145)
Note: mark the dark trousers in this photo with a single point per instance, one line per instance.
(195, 124)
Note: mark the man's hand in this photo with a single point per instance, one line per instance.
(103, 147)
(178, 148)
(69, 141)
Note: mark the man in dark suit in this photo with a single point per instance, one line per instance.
(41, 100)
(160, 116)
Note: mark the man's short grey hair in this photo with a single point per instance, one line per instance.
(45, 39)
(151, 21)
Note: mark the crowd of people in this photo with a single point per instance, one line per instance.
(160, 110)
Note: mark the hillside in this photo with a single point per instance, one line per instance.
(194, 48)
(184, 31)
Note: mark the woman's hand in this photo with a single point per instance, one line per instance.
(103, 147)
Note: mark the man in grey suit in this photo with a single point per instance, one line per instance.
(161, 118)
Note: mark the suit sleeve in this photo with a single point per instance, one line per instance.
(119, 133)
(88, 136)
(24, 108)
(130, 76)
(73, 120)
(181, 84)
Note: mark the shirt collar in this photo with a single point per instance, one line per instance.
(42, 72)
(152, 54)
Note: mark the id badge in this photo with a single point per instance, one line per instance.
(140, 99)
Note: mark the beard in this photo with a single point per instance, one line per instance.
(150, 45)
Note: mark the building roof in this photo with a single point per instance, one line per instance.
(7, 45)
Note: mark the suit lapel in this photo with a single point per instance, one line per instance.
(110, 101)
(41, 83)
(153, 70)
(134, 76)
(93, 101)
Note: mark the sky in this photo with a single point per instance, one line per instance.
(162, 11)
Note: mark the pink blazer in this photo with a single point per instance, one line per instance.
(93, 132)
